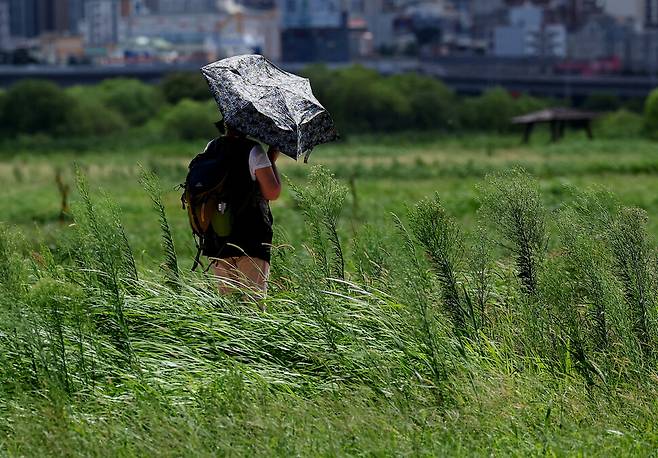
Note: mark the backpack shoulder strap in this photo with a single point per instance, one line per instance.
(213, 147)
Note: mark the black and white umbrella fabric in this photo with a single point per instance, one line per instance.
(270, 105)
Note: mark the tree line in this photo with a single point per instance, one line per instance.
(360, 100)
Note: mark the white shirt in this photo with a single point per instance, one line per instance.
(258, 160)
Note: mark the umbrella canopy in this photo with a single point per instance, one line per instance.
(271, 105)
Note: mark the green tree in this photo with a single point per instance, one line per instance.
(619, 124)
(91, 118)
(321, 78)
(361, 100)
(432, 103)
(190, 120)
(136, 101)
(3, 101)
(34, 106)
(602, 101)
(350, 98)
(651, 114)
(493, 110)
(183, 85)
(527, 104)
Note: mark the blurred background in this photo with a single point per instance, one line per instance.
(524, 46)
(378, 65)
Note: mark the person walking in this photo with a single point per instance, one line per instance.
(230, 185)
(233, 210)
(243, 257)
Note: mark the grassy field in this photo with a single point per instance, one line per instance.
(386, 175)
(509, 316)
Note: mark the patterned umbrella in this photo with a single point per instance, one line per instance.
(275, 107)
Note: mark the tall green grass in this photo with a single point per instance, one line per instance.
(421, 324)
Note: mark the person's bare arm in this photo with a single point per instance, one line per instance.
(268, 178)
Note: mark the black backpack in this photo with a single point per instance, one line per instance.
(207, 197)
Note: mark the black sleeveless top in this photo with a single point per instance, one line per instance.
(251, 218)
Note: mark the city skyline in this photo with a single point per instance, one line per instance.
(138, 31)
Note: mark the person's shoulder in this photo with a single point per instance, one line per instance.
(256, 149)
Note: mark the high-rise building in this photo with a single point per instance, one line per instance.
(30, 18)
(651, 14)
(4, 25)
(315, 30)
(23, 16)
(101, 22)
(53, 16)
(579, 11)
(76, 12)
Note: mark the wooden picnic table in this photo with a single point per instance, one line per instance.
(558, 119)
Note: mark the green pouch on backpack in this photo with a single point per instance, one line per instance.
(221, 220)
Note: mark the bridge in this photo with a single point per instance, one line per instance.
(468, 83)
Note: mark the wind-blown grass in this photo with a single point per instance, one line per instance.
(420, 328)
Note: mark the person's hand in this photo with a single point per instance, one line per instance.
(273, 154)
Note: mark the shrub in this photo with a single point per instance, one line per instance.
(390, 109)
(321, 80)
(442, 241)
(588, 261)
(634, 104)
(37, 107)
(620, 124)
(651, 114)
(178, 86)
(432, 103)
(493, 110)
(364, 101)
(136, 101)
(602, 101)
(527, 104)
(512, 204)
(90, 117)
(322, 203)
(634, 255)
(3, 101)
(350, 98)
(190, 120)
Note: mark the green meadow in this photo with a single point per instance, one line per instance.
(383, 174)
(460, 295)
